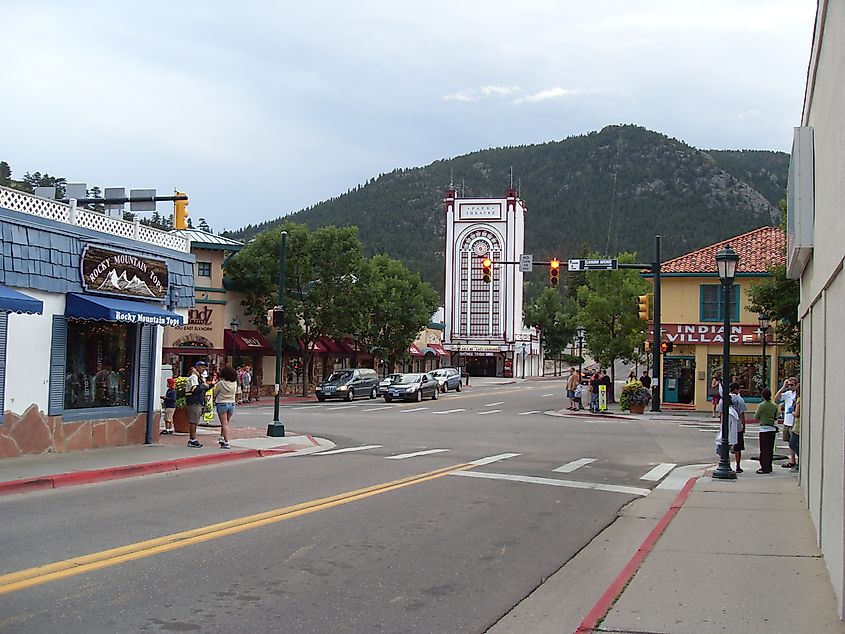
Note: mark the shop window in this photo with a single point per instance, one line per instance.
(787, 367)
(99, 364)
(204, 269)
(4, 324)
(711, 301)
(747, 370)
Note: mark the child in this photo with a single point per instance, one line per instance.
(168, 404)
(578, 391)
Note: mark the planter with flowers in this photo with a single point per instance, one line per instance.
(634, 397)
(180, 416)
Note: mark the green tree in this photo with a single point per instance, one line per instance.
(203, 225)
(778, 297)
(394, 305)
(555, 317)
(608, 310)
(5, 174)
(45, 180)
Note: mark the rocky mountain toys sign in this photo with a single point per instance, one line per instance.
(123, 274)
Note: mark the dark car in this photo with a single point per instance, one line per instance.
(385, 382)
(412, 387)
(448, 379)
(349, 383)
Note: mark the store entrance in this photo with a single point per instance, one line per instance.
(678, 380)
(481, 366)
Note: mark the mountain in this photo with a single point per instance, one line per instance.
(607, 191)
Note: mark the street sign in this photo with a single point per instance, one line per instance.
(526, 263)
(593, 265)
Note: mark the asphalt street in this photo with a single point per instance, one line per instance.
(425, 517)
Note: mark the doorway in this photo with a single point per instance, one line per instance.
(679, 380)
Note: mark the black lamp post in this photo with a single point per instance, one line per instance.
(726, 263)
(580, 330)
(763, 320)
(234, 326)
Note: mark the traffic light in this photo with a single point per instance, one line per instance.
(278, 317)
(487, 270)
(667, 346)
(180, 212)
(643, 307)
(554, 272)
(647, 345)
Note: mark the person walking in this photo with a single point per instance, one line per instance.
(225, 395)
(571, 383)
(594, 390)
(716, 393)
(738, 403)
(168, 406)
(767, 415)
(195, 401)
(787, 395)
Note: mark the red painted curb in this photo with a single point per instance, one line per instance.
(41, 483)
(602, 607)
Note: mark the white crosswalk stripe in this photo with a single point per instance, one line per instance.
(489, 411)
(494, 404)
(553, 482)
(413, 409)
(569, 467)
(451, 411)
(378, 409)
(533, 411)
(346, 450)
(659, 471)
(415, 454)
(492, 459)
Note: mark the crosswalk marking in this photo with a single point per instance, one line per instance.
(494, 404)
(451, 411)
(569, 467)
(413, 409)
(378, 409)
(491, 459)
(533, 411)
(346, 450)
(307, 407)
(415, 454)
(343, 406)
(553, 482)
(489, 411)
(659, 471)
(545, 395)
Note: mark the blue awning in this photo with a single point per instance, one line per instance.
(114, 309)
(12, 301)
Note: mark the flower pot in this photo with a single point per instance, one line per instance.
(180, 420)
(637, 409)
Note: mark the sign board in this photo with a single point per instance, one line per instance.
(526, 263)
(593, 265)
(602, 398)
(114, 273)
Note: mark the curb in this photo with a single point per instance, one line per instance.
(562, 414)
(605, 603)
(40, 483)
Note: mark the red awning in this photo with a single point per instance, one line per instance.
(415, 352)
(438, 349)
(247, 342)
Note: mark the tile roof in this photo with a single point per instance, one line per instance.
(758, 251)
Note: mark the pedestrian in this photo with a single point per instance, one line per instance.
(594, 390)
(225, 394)
(195, 401)
(645, 379)
(246, 383)
(168, 406)
(571, 383)
(608, 384)
(767, 415)
(632, 377)
(738, 403)
(579, 390)
(795, 433)
(716, 392)
(787, 395)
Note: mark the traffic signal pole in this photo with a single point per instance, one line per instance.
(656, 371)
(276, 429)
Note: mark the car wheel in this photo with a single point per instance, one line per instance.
(458, 388)
(434, 394)
(387, 399)
(445, 388)
(350, 394)
(321, 398)
(374, 393)
(418, 395)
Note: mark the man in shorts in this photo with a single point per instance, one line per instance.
(571, 383)
(738, 403)
(195, 401)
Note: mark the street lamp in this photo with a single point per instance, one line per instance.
(524, 351)
(234, 326)
(726, 263)
(763, 320)
(580, 330)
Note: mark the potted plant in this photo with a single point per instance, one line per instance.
(634, 397)
(180, 416)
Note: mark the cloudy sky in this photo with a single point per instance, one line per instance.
(257, 109)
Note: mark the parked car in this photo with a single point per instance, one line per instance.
(412, 387)
(349, 383)
(447, 379)
(385, 382)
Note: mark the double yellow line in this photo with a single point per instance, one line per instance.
(87, 563)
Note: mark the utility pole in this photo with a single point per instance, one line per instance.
(276, 429)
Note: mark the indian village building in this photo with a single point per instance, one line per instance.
(84, 298)
(484, 332)
(692, 316)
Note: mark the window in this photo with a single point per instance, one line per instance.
(710, 303)
(204, 269)
(98, 365)
(787, 367)
(747, 370)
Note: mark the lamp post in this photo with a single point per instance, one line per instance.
(524, 352)
(726, 263)
(234, 326)
(276, 429)
(763, 320)
(580, 330)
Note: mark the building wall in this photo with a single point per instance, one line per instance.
(822, 309)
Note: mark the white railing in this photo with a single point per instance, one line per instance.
(69, 213)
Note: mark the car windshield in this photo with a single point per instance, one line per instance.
(408, 378)
(339, 376)
(439, 373)
(390, 378)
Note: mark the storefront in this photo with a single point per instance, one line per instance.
(103, 299)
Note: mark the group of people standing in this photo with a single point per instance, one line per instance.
(226, 388)
(575, 389)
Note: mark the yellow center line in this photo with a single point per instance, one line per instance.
(39, 575)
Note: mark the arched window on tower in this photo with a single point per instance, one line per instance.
(480, 302)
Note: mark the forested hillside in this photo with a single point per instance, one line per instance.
(608, 191)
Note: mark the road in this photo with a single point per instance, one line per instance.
(432, 517)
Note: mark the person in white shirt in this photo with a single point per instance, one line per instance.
(786, 394)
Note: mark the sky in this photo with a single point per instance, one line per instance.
(258, 109)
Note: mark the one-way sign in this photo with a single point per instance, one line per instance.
(593, 265)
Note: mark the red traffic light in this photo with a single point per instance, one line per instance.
(667, 346)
